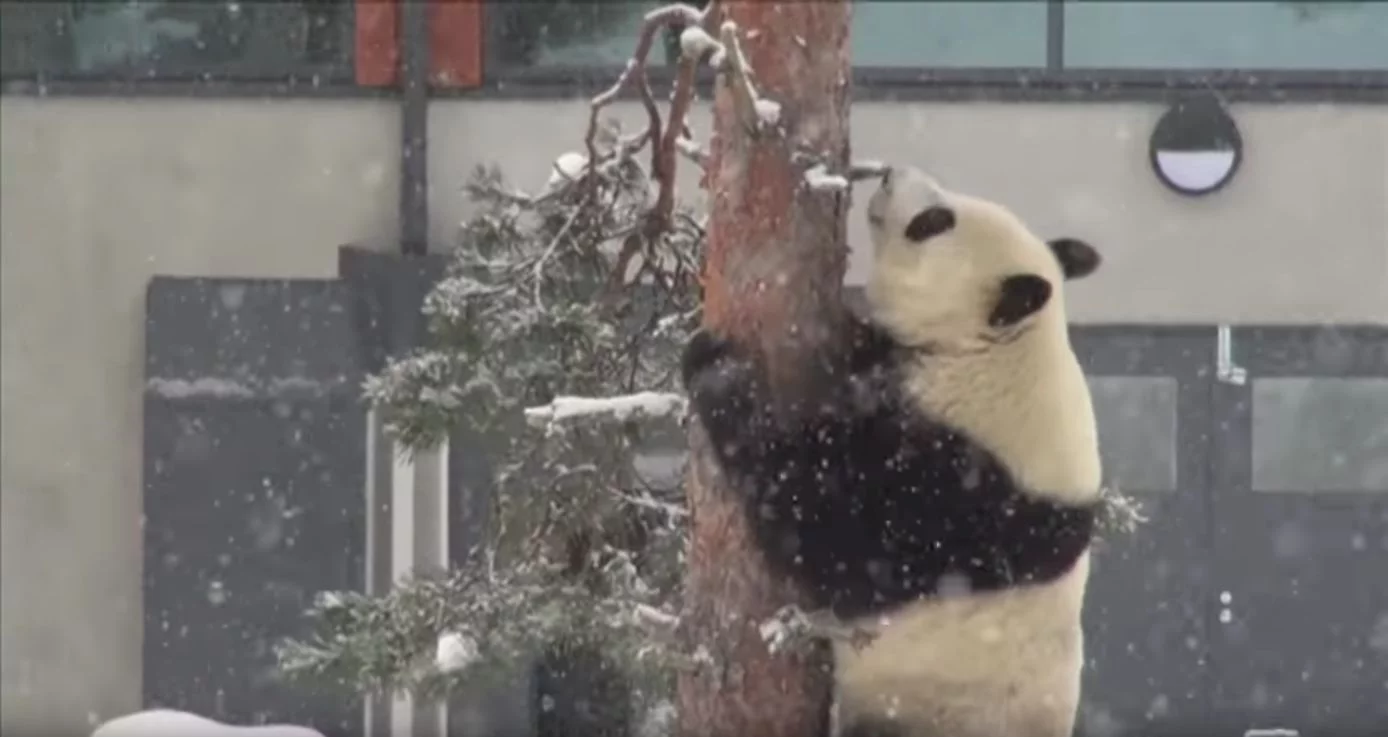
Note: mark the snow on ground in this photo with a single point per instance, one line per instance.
(171, 723)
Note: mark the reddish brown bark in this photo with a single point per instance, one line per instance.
(776, 258)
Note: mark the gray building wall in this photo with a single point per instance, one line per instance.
(98, 195)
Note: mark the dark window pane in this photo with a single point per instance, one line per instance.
(177, 39)
(1226, 35)
(1136, 416)
(964, 33)
(1314, 435)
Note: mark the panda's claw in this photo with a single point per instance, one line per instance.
(702, 353)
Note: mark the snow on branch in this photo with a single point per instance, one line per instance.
(641, 404)
(662, 623)
(757, 114)
(860, 170)
(691, 150)
(1118, 513)
(819, 179)
(697, 44)
(791, 628)
(456, 652)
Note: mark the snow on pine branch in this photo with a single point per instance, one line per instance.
(456, 652)
(641, 404)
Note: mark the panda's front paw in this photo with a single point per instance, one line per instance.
(701, 354)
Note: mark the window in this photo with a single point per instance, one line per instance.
(971, 34)
(958, 33)
(1313, 435)
(1208, 34)
(176, 39)
(950, 34)
(547, 33)
(1136, 417)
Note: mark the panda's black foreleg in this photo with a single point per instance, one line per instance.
(701, 353)
(727, 393)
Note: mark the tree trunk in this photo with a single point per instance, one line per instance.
(774, 269)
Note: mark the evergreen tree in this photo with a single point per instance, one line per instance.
(555, 333)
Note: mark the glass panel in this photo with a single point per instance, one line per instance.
(949, 34)
(559, 34)
(1226, 35)
(1313, 434)
(1137, 430)
(964, 33)
(176, 38)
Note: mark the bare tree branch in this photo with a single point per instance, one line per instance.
(679, 108)
(654, 22)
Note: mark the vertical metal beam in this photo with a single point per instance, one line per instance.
(419, 544)
(379, 470)
(414, 127)
(1055, 35)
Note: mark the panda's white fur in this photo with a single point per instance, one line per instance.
(941, 488)
(1025, 400)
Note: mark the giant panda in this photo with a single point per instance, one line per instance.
(938, 487)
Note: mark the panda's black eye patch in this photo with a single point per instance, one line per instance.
(930, 222)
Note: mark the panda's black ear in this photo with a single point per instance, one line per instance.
(930, 222)
(1019, 297)
(1077, 258)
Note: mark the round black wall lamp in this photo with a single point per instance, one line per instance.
(1196, 147)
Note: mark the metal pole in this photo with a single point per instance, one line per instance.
(414, 127)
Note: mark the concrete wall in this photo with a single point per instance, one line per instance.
(97, 195)
(1300, 234)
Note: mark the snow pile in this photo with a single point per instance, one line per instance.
(455, 652)
(171, 723)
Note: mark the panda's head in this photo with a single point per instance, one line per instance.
(950, 269)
